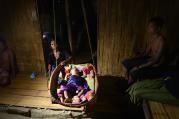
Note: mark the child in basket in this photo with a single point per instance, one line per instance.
(72, 90)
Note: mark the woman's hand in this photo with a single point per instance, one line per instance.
(62, 63)
(141, 66)
(49, 67)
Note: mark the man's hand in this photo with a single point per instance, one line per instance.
(135, 68)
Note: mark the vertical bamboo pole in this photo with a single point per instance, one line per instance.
(39, 26)
(87, 29)
(69, 27)
(54, 27)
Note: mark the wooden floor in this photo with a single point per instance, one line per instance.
(157, 110)
(29, 93)
(111, 100)
(163, 111)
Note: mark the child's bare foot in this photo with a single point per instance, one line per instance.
(61, 99)
(55, 101)
(76, 100)
(67, 100)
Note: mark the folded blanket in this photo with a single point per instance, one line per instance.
(154, 90)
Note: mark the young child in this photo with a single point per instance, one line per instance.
(74, 88)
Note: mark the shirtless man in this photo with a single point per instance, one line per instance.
(141, 67)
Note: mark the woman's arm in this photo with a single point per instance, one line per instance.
(66, 61)
(67, 58)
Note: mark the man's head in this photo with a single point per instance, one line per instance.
(155, 25)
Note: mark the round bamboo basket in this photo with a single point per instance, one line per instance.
(53, 88)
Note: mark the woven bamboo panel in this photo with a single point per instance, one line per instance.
(122, 29)
(20, 26)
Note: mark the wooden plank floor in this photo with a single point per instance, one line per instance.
(163, 111)
(29, 93)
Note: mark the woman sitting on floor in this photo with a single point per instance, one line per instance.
(7, 70)
(148, 64)
(57, 56)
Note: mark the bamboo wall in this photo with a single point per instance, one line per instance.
(122, 29)
(19, 25)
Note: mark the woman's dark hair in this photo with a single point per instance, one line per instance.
(57, 42)
(157, 20)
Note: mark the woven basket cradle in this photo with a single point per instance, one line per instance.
(53, 87)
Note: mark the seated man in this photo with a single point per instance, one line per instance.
(149, 64)
(7, 70)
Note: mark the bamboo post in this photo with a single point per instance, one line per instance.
(87, 29)
(69, 27)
